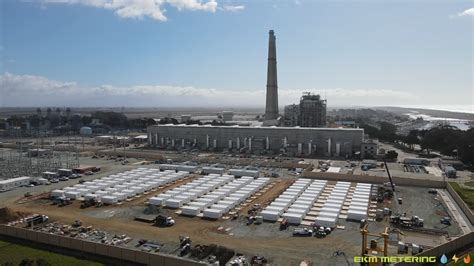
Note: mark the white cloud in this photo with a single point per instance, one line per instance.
(467, 12)
(154, 9)
(233, 8)
(29, 90)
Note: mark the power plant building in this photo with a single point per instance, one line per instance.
(256, 140)
(291, 115)
(312, 111)
(308, 140)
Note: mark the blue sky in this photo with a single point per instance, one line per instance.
(213, 53)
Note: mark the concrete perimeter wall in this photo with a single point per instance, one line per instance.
(96, 248)
(467, 211)
(399, 181)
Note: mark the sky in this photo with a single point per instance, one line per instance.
(185, 53)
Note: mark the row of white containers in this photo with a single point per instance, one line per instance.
(244, 172)
(200, 204)
(359, 204)
(298, 210)
(329, 213)
(178, 167)
(118, 187)
(177, 197)
(239, 193)
(295, 201)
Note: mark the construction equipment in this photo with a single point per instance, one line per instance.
(320, 233)
(415, 249)
(283, 224)
(250, 219)
(406, 222)
(446, 220)
(162, 220)
(185, 245)
(37, 219)
(388, 193)
(61, 201)
(389, 176)
(88, 203)
(368, 250)
(402, 248)
(183, 240)
(258, 260)
(185, 250)
(77, 223)
(302, 232)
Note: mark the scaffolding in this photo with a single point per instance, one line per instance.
(312, 111)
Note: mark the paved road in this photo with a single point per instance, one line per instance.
(456, 212)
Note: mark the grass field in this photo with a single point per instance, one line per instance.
(470, 184)
(14, 253)
(465, 194)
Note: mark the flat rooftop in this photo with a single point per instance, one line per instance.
(261, 127)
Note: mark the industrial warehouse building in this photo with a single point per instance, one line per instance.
(290, 140)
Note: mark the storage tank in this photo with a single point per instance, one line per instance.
(85, 131)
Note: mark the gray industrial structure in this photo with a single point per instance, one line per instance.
(290, 140)
(271, 107)
(227, 116)
(291, 115)
(270, 139)
(312, 111)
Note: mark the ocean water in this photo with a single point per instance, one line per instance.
(463, 108)
(433, 121)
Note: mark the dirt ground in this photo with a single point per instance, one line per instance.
(265, 239)
(281, 250)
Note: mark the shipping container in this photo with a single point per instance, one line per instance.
(212, 213)
(293, 218)
(271, 216)
(326, 221)
(109, 200)
(190, 210)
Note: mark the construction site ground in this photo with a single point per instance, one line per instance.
(279, 247)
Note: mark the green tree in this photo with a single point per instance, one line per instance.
(27, 262)
(412, 138)
(391, 155)
(42, 262)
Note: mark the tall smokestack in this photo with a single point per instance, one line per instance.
(271, 108)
